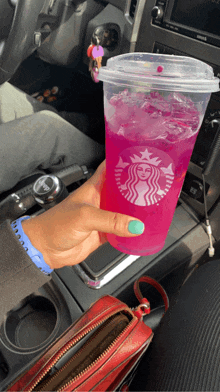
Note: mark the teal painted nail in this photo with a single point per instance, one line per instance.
(136, 227)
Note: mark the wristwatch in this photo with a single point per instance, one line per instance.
(32, 252)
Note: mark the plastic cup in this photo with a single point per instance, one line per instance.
(154, 105)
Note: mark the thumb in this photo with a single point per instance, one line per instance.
(110, 222)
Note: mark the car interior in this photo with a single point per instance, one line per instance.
(49, 62)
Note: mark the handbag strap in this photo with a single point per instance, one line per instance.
(144, 307)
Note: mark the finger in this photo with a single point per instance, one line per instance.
(90, 191)
(99, 174)
(92, 218)
(98, 178)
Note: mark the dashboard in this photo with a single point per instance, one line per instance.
(154, 37)
(143, 26)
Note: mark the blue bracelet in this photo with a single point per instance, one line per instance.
(32, 252)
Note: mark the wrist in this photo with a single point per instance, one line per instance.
(32, 229)
(26, 240)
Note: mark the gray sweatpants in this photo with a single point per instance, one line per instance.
(42, 139)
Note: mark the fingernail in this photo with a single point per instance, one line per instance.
(136, 227)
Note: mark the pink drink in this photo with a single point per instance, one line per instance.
(147, 155)
(154, 106)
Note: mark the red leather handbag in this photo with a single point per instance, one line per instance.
(98, 351)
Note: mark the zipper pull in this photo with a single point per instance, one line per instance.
(142, 309)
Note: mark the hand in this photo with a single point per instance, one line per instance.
(67, 233)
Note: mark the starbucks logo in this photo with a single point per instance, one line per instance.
(144, 175)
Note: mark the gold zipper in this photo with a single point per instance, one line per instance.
(74, 357)
(72, 344)
(98, 359)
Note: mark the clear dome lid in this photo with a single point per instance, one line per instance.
(161, 72)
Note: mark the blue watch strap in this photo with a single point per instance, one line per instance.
(32, 252)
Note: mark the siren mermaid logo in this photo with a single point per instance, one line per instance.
(144, 175)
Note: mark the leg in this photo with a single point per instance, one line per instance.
(43, 140)
(185, 352)
(15, 104)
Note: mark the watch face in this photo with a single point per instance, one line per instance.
(44, 185)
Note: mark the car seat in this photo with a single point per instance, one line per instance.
(185, 352)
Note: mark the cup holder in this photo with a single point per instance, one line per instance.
(32, 324)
